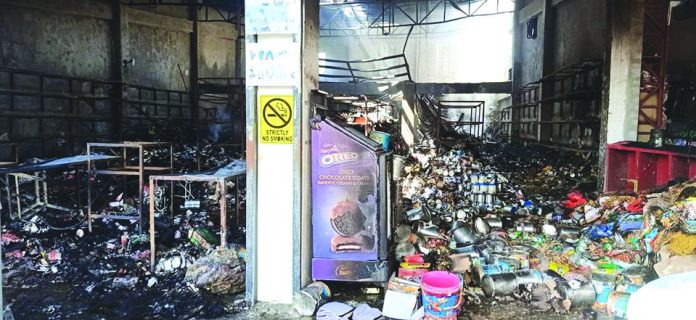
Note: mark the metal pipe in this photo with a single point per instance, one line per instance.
(141, 183)
(19, 203)
(151, 192)
(89, 187)
(223, 212)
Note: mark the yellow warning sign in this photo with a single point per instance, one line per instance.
(275, 119)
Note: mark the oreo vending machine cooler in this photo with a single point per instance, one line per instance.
(350, 205)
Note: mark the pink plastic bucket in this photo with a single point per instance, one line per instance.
(441, 295)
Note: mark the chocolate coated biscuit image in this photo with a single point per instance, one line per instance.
(346, 218)
(351, 244)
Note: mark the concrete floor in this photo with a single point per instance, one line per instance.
(264, 311)
(507, 310)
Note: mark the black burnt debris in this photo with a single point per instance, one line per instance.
(54, 268)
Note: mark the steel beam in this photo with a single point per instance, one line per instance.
(398, 16)
(380, 89)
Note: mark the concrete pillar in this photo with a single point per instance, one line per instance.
(193, 69)
(625, 68)
(517, 30)
(282, 41)
(545, 111)
(119, 22)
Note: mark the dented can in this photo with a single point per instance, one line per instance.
(580, 294)
(526, 227)
(495, 222)
(502, 284)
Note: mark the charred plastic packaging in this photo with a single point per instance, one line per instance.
(307, 300)
(597, 232)
(203, 238)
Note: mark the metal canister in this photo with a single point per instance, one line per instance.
(529, 277)
(502, 284)
(481, 198)
(464, 235)
(580, 294)
(482, 226)
(525, 227)
(491, 188)
(476, 187)
(510, 209)
(483, 179)
(492, 178)
(488, 199)
(414, 214)
(571, 232)
(495, 222)
(474, 177)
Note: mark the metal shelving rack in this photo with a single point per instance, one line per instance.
(525, 113)
(123, 169)
(471, 116)
(569, 107)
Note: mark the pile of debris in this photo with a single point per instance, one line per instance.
(54, 267)
(512, 226)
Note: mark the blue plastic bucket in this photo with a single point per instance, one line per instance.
(441, 294)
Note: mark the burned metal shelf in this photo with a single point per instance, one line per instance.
(124, 169)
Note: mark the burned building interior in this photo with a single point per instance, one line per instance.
(348, 159)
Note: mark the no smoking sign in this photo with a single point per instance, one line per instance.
(275, 119)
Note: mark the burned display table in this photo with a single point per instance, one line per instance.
(35, 173)
(231, 172)
(125, 167)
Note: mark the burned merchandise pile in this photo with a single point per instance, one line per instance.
(55, 268)
(518, 223)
